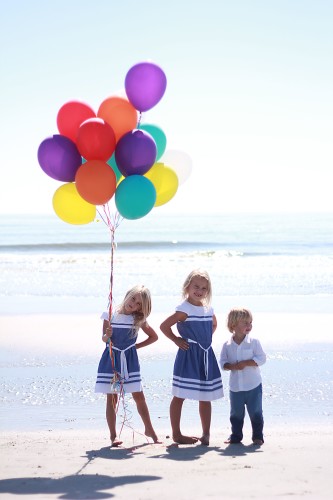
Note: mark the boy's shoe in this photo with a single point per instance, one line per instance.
(231, 441)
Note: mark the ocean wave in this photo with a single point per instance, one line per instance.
(91, 246)
(207, 248)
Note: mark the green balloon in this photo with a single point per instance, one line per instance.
(159, 137)
(113, 165)
(135, 197)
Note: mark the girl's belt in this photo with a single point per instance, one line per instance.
(123, 361)
(206, 359)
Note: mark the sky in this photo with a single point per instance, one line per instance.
(248, 98)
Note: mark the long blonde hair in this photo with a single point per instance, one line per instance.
(140, 316)
(198, 273)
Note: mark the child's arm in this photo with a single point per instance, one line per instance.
(242, 364)
(167, 330)
(107, 331)
(152, 336)
(214, 323)
(259, 357)
(225, 360)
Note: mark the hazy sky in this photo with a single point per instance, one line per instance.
(249, 94)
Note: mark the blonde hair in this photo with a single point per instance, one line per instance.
(236, 315)
(198, 273)
(140, 316)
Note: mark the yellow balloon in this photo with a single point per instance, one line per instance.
(70, 207)
(121, 178)
(165, 181)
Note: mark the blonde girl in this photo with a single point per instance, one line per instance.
(196, 374)
(124, 368)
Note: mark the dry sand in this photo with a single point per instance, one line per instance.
(80, 464)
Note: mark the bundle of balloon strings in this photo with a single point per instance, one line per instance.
(112, 221)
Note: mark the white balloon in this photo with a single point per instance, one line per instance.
(180, 162)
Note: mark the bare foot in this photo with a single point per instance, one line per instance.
(205, 439)
(258, 442)
(116, 442)
(153, 436)
(180, 439)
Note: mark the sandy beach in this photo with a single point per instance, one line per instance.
(71, 461)
(73, 465)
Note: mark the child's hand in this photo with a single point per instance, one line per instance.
(108, 331)
(235, 366)
(181, 343)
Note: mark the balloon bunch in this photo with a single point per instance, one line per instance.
(111, 154)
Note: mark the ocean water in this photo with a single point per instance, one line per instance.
(276, 263)
(286, 255)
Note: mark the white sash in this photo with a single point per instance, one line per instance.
(206, 362)
(123, 361)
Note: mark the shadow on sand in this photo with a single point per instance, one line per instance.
(240, 450)
(72, 487)
(78, 486)
(94, 486)
(187, 453)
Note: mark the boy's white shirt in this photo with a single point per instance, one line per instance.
(250, 377)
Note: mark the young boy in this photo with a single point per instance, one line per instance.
(243, 355)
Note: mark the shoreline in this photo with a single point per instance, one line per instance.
(48, 366)
(80, 333)
(71, 305)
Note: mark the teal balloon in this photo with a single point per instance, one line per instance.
(135, 197)
(114, 166)
(159, 137)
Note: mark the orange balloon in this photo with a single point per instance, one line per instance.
(120, 114)
(96, 182)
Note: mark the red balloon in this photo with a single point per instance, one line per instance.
(96, 140)
(96, 182)
(71, 115)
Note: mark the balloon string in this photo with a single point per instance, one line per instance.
(112, 222)
(139, 120)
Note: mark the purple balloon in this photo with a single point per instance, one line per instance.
(145, 84)
(135, 153)
(59, 158)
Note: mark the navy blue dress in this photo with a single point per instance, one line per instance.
(196, 373)
(126, 361)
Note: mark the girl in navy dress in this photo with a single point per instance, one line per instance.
(124, 368)
(196, 374)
